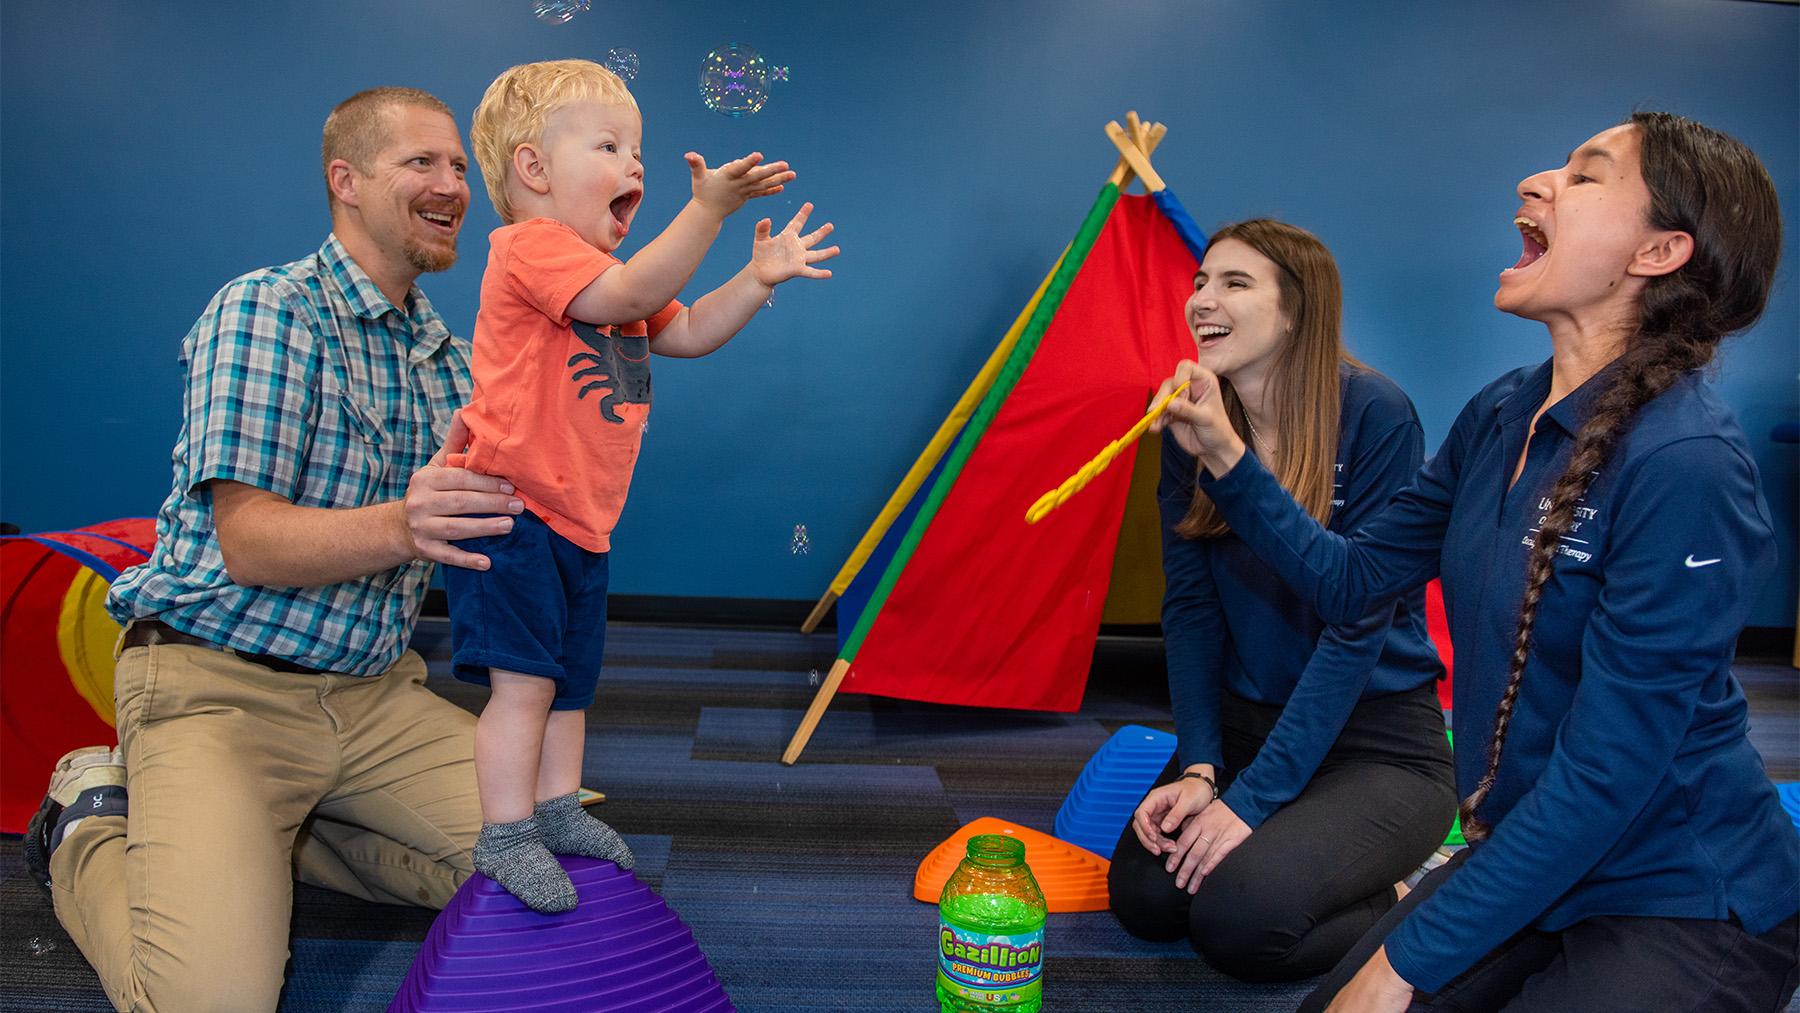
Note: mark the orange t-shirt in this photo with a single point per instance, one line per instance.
(559, 405)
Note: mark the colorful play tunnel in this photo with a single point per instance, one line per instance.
(56, 650)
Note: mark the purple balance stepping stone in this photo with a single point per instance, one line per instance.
(620, 949)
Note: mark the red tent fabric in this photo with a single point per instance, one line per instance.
(991, 611)
(1438, 625)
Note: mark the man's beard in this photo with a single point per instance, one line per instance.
(428, 259)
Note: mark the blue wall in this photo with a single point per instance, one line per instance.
(153, 151)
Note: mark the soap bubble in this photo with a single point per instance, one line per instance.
(558, 12)
(622, 62)
(734, 80)
(801, 544)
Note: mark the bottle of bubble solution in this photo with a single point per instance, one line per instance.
(991, 931)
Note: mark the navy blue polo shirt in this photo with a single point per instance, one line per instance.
(1628, 785)
(1231, 622)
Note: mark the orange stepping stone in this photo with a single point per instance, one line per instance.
(1072, 878)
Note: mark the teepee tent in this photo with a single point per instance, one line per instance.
(973, 605)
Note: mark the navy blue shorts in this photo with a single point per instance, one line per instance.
(540, 610)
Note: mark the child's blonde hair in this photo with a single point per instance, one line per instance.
(519, 103)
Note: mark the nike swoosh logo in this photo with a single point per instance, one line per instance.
(1695, 564)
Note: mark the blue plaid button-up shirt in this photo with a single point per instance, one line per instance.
(303, 380)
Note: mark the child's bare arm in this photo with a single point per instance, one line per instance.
(718, 315)
(656, 274)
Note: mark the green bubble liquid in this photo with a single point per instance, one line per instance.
(991, 932)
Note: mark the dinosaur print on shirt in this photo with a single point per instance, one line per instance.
(618, 365)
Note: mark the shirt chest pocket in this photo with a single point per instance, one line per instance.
(352, 449)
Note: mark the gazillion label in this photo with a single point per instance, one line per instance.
(999, 969)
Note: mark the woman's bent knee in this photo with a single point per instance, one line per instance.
(1254, 956)
(1144, 899)
(1248, 935)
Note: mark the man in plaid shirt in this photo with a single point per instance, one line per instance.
(272, 724)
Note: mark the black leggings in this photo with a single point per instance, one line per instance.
(1608, 964)
(1319, 872)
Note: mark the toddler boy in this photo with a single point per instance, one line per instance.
(561, 397)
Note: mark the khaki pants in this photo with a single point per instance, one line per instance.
(242, 780)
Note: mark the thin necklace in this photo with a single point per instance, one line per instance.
(1255, 437)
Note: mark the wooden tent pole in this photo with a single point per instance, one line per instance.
(1134, 152)
(1135, 157)
(821, 700)
(1147, 137)
(813, 618)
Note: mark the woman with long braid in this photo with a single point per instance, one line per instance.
(1599, 528)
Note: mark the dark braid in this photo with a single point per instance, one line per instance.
(1710, 186)
(1648, 368)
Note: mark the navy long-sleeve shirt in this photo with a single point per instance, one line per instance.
(1628, 785)
(1229, 622)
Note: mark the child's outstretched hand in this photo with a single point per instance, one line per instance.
(788, 254)
(726, 188)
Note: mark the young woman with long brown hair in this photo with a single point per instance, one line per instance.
(1599, 527)
(1311, 772)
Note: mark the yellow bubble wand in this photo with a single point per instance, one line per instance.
(1074, 483)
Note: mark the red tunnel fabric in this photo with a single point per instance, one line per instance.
(42, 715)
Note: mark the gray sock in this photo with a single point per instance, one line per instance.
(569, 830)
(513, 855)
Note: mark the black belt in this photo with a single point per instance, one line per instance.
(150, 632)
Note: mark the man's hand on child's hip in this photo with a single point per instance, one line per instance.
(440, 499)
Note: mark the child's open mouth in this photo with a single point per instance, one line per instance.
(623, 206)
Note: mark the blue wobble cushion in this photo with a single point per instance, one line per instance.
(620, 949)
(1111, 786)
(1790, 800)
